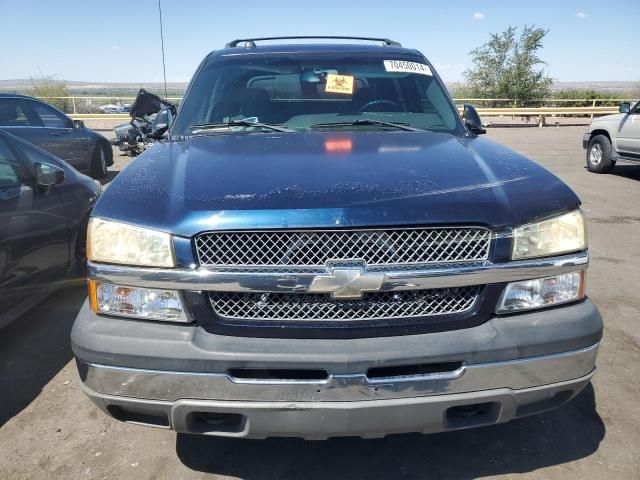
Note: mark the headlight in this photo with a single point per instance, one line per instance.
(136, 302)
(554, 236)
(542, 292)
(115, 242)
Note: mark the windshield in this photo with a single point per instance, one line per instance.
(316, 91)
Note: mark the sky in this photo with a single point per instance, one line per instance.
(119, 40)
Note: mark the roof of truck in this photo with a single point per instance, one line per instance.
(314, 48)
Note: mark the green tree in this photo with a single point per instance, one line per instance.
(45, 87)
(508, 66)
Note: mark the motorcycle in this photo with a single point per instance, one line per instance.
(150, 119)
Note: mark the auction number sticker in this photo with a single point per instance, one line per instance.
(407, 67)
(339, 84)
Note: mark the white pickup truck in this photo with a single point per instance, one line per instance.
(613, 137)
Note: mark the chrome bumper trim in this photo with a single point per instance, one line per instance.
(247, 281)
(173, 386)
(319, 420)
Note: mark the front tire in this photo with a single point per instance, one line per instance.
(99, 161)
(599, 155)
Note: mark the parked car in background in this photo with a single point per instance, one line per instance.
(612, 138)
(47, 127)
(110, 108)
(44, 207)
(324, 247)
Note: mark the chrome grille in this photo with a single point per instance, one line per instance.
(315, 249)
(321, 307)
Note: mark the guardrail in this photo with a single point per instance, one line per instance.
(540, 112)
(543, 112)
(99, 116)
(511, 111)
(105, 99)
(548, 100)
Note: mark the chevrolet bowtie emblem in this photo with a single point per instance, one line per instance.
(347, 283)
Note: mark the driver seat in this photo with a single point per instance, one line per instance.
(361, 97)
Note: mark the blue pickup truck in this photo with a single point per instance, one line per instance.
(322, 246)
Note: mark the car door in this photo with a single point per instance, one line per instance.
(62, 140)
(34, 237)
(628, 135)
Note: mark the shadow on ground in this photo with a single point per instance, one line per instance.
(627, 171)
(35, 347)
(111, 174)
(569, 433)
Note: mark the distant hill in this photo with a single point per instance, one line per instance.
(612, 86)
(97, 88)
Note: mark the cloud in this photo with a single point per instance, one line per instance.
(479, 16)
(581, 15)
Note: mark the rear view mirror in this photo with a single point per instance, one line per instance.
(625, 107)
(48, 175)
(78, 124)
(472, 120)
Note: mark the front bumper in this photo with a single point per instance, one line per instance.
(318, 420)
(180, 376)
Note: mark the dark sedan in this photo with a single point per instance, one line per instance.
(44, 206)
(50, 129)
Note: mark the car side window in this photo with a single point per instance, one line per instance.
(12, 113)
(9, 167)
(49, 117)
(33, 156)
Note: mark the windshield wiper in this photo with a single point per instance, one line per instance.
(368, 121)
(205, 127)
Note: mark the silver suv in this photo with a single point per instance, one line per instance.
(613, 137)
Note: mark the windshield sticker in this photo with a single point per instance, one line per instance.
(339, 84)
(407, 67)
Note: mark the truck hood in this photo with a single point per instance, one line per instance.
(616, 117)
(329, 179)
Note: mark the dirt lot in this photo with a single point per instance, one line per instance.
(49, 430)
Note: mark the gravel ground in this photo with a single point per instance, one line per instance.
(49, 430)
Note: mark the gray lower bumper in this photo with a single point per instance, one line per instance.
(321, 420)
(585, 140)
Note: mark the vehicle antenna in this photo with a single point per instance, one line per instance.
(164, 69)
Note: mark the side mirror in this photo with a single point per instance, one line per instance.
(472, 120)
(48, 175)
(161, 123)
(159, 129)
(625, 107)
(78, 124)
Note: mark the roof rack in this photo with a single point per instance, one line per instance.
(250, 42)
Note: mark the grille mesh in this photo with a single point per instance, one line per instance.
(319, 307)
(314, 249)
